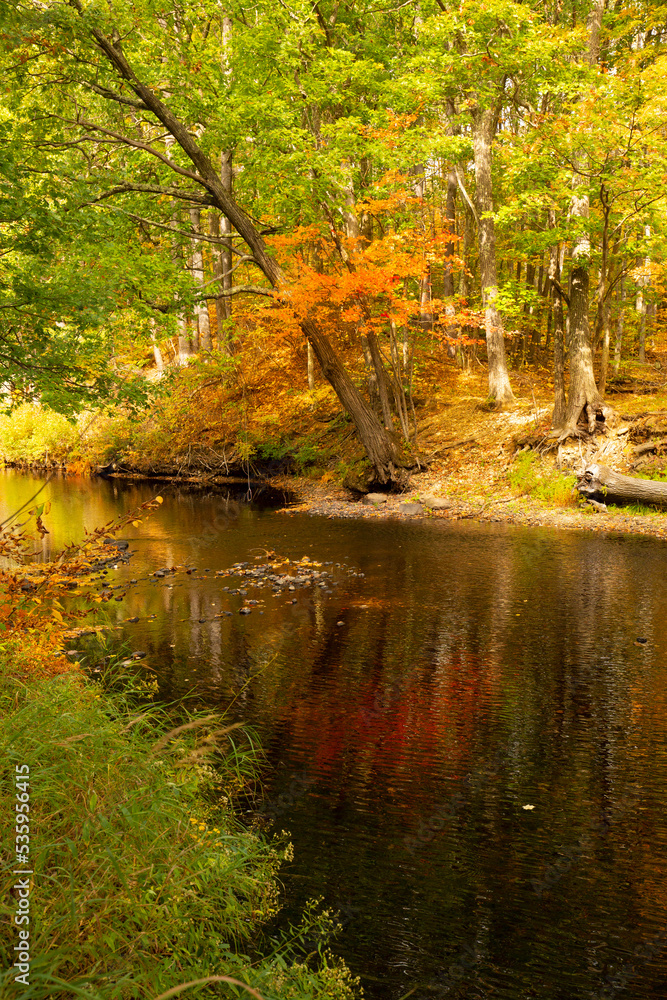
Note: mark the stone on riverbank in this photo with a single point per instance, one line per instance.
(410, 508)
(374, 498)
(436, 503)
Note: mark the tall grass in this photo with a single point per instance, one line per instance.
(143, 877)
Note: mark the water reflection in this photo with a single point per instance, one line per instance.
(455, 674)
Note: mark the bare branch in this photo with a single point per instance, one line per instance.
(199, 199)
(111, 95)
(459, 178)
(135, 144)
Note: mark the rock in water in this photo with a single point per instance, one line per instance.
(117, 543)
(410, 508)
(374, 498)
(436, 503)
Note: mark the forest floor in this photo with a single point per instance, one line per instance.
(500, 466)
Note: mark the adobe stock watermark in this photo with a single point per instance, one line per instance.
(643, 954)
(473, 781)
(225, 517)
(461, 967)
(23, 869)
(273, 809)
(574, 853)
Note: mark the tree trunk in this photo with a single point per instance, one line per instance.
(606, 340)
(221, 300)
(600, 482)
(448, 273)
(157, 353)
(380, 448)
(183, 337)
(201, 309)
(584, 400)
(558, 416)
(537, 312)
(483, 134)
(619, 321)
(311, 366)
(640, 305)
(227, 178)
(382, 379)
(644, 283)
(221, 228)
(425, 311)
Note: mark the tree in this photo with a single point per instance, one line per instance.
(127, 87)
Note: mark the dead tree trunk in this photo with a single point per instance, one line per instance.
(601, 483)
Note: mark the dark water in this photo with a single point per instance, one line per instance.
(411, 713)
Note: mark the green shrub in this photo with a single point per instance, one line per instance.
(33, 434)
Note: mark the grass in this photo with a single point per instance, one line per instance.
(144, 879)
(640, 509)
(530, 476)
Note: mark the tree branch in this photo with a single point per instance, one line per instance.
(135, 144)
(206, 200)
(207, 175)
(111, 95)
(459, 178)
(175, 306)
(246, 289)
(202, 237)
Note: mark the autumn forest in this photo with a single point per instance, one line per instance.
(367, 190)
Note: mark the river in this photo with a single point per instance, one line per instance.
(465, 726)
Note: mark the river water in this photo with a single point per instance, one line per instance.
(464, 736)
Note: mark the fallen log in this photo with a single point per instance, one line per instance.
(646, 447)
(602, 483)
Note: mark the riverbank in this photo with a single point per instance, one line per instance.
(507, 510)
(487, 464)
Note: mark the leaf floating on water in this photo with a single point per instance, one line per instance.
(528, 808)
